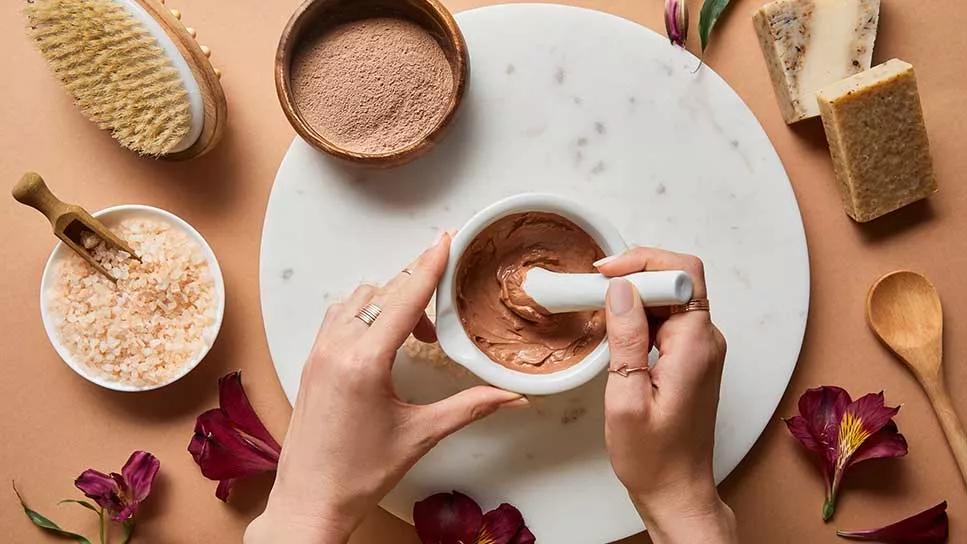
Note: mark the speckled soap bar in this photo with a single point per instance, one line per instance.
(878, 140)
(808, 44)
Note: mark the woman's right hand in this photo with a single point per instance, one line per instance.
(660, 424)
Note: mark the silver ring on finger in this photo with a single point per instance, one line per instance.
(368, 314)
(624, 370)
(694, 305)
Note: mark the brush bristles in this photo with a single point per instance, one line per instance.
(114, 68)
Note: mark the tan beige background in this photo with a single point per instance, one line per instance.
(55, 424)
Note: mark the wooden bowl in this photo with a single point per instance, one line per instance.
(315, 14)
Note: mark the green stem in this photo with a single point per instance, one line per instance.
(100, 516)
(829, 507)
(128, 529)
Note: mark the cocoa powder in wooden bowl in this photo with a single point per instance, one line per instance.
(373, 82)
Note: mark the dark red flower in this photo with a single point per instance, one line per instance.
(505, 524)
(927, 527)
(230, 441)
(676, 21)
(121, 494)
(841, 432)
(454, 518)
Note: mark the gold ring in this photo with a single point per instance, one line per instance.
(368, 314)
(624, 371)
(696, 305)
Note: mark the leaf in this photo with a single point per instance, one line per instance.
(44, 523)
(85, 504)
(127, 530)
(711, 11)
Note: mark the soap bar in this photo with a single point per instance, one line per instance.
(878, 141)
(809, 44)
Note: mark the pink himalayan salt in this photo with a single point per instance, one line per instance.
(143, 331)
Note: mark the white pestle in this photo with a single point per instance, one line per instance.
(561, 292)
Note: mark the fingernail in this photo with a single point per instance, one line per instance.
(440, 235)
(620, 296)
(522, 402)
(604, 261)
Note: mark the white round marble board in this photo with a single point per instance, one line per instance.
(593, 107)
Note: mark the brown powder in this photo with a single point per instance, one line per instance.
(373, 85)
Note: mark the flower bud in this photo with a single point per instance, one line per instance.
(676, 21)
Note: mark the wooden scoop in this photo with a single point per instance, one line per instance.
(904, 311)
(71, 223)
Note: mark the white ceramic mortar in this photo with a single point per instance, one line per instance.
(111, 216)
(453, 337)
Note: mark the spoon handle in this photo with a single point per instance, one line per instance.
(949, 421)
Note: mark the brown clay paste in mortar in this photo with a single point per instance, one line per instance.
(505, 323)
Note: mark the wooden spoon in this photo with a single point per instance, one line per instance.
(71, 223)
(904, 311)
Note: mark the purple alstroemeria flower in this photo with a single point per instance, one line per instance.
(230, 441)
(121, 494)
(676, 21)
(454, 518)
(927, 527)
(841, 432)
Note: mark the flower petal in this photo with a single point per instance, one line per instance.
(130, 506)
(862, 419)
(823, 407)
(122, 485)
(800, 429)
(101, 488)
(821, 410)
(223, 453)
(231, 442)
(234, 402)
(224, 488)
(927, 527)
(139, 473)
(447, 518)
(525, 536)
(676, 21)
(871, 410)
(888, 442)
(502, 525)
(127, 512)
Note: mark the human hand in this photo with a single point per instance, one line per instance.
(351, 438)
(660, 425)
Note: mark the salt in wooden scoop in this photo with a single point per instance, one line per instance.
(904, 311)
(562, 292)
(71, 223)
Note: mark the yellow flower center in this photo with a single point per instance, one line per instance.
(485, 538)
(851, 437)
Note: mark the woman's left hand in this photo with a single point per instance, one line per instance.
(351, 438)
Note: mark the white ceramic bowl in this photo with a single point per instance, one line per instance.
(110, 217)
(453, 337)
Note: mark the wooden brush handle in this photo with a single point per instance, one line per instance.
(952, 427)
(32, 191)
